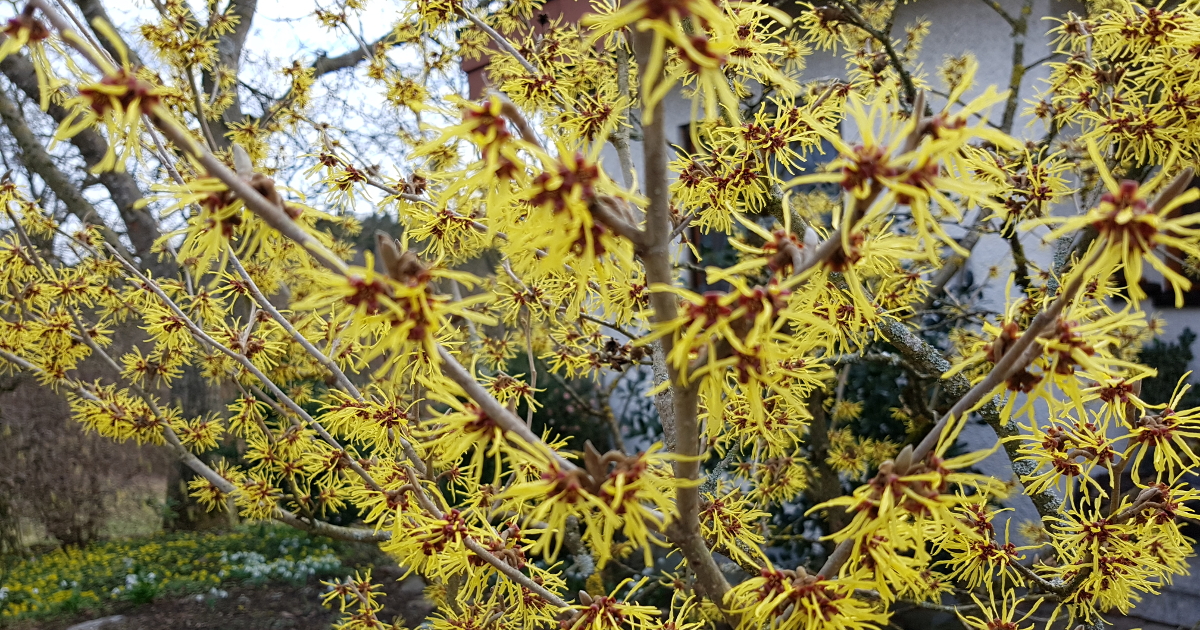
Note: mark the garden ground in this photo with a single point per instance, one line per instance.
(256, 576)
(268, 607)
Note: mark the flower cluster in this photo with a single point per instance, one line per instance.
(779, 278)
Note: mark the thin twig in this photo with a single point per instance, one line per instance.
(325, 361)
(533, 374)
(885, 40)
(499, 39)
(995, 6)
(1022, 352)
(249, 366)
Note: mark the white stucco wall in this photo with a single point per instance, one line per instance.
(959, 26)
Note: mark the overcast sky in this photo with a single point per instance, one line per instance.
(287, 28)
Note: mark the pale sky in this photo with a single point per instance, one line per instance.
(287, 28)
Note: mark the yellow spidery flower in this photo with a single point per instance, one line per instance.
(26, 31)
(795, 600)
(1131, 227)
(118, 101)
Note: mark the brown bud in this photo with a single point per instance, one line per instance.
(387, 251)
(904, 460)
(242, 163)
(879, 63)
(1131, 409)
(1149, 494)
(265, 186)
(592, 461)
(886, 467)
(400, 266)
(830, 14)
(1173, 189)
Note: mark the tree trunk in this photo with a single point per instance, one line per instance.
(183, 513)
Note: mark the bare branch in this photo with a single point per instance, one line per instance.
(620, 137)
(509, 110)
(606, 210)
(656, 255)
(995, 6)
(1020, 27)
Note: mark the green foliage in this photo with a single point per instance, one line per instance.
(1171, 359)
(68, 580)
